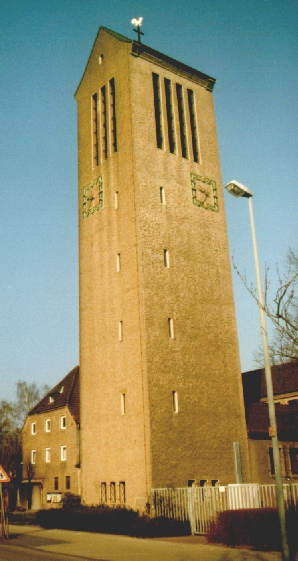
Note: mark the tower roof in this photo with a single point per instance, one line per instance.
(143, 51)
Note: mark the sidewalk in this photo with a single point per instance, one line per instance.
(105, 547)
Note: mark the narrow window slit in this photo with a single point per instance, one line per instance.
(157, 108)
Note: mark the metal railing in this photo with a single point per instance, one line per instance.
(200, 505)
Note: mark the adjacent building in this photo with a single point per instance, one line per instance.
(160, 378)
(285, 386)
(51, 446)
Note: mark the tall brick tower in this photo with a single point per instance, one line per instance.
(161, 394)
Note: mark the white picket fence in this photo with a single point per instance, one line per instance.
(200, 505)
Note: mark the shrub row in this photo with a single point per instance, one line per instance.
(22, 518)
(257, 527)
(107, 520)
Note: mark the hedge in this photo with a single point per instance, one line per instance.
(107, 520)
(256, 527)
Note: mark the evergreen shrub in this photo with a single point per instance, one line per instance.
(256, 527)
(106, 520)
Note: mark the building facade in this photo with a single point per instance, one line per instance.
(51, 447)
(161, 392)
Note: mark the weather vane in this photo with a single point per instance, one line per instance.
(138, 23)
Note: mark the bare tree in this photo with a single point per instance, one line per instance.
(12, 418)
(282, 310)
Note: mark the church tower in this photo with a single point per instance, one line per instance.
(161, 394)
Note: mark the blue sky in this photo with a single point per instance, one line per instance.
(249, 46)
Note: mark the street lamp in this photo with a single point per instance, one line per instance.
(238, 190)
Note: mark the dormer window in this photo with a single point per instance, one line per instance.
(62, 389)
(51, 399)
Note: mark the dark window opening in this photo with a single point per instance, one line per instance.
(170, 115)
(104, 128)
(294, 460)
(182, 125)
(113, 115)
(193, 125)
(157, 108)
(56, 483)
(95, 130)
(67, 482)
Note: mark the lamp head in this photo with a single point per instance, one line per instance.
(237, 189)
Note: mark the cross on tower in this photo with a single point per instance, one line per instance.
(138, 23)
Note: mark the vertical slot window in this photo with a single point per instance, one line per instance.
(120, 330)
(33, 427)
(67, 482)
(118, 263)
(56, 483)
(112, 492)
(193, 125)
(48, 455)
(171, 328)
(104, 128)
(157, 109)
(162, 195)
(166, 257)
(175, 402)
(103, 492)
(123, 403)
(33, 456)
(48, 425)
(170, 116)
(122, 497)
(182, 124)
(116, 199)
(95, 150)
(113, 123)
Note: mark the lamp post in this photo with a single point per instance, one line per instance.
(238, 190)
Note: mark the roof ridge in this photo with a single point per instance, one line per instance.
(116, 35)
(75, 374)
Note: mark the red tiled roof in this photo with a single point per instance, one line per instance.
(284, 378)
(286, 420)
(66, 393)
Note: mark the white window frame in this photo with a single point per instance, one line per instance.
(33, 457)
(48, 455)
(63, 422)
(118, 262)
(48, 425)
(162, 195)
(33, 427)
(63, 453)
